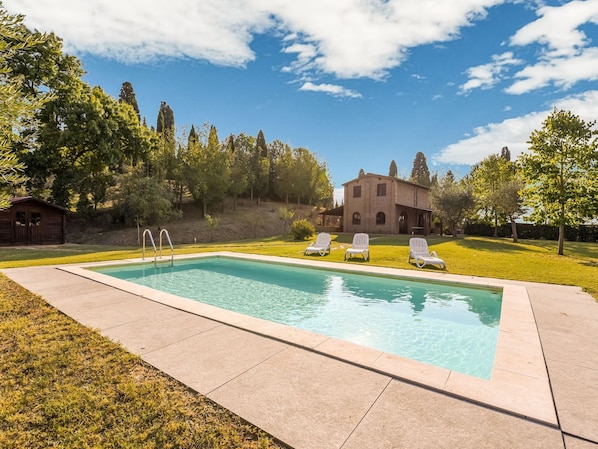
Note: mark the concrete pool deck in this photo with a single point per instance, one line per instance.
(312, 391)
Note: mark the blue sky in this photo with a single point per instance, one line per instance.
(358, 82)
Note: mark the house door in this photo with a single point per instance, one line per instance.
(28, 227)
(403, 229)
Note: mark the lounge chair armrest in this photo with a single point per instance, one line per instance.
(433, 253)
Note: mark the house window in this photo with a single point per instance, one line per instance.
(380, 218)
(381, 190)
(356, 218)
(356, 191)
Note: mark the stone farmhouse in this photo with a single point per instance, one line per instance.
(381, 204)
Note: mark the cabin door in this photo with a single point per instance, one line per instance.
(28, 227)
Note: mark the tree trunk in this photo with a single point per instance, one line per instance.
(514, 230)
(561, 238)
(495, 225)
(454, 230)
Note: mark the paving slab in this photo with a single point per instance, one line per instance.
(575, 391)
(212, 358)
(567, 320)
(314, 401)
(576, 443)
(159, 331)
(406, 416)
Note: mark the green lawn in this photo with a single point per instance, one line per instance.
(528, 260)
(64, 385)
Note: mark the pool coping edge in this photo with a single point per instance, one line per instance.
(519, 382)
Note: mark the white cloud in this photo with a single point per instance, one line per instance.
(332, 89)
(357, 38)
(567, 56)
(557, 27)
(331, 37)
(562, 72)
(513, 132)
(485, 76)
(133, 31)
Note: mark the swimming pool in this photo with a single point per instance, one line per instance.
(454, 327)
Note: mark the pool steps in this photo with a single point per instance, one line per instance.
(151, 239)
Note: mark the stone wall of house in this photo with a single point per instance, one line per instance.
(379, 202)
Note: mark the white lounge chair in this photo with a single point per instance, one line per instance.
(418, 250)
(320, 246)
(360, 245)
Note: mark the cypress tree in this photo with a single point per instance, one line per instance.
(193, 137)
(420, 174)
(127, 95)
(261, 144)
(165, 118)
(392, 170)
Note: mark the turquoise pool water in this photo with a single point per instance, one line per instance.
(455, 327)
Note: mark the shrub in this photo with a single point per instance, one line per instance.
(302, 229)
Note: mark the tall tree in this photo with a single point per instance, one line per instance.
(505, 153)
(393, 170)
(259, 169)
(17, 106)
(165, 119)
(208, 171)
(193, 136)
(82, 136)
(284, 181)
(141, 199)
(561, 172)
(97, 136)
(276, 149)
(305, 167)
(127, 95)
(35, 77)
(452, 201)
(420, 173)
(260, 142)
(239, 162)
(510, 203)
(488, 179)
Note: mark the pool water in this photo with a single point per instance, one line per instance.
(455, 327)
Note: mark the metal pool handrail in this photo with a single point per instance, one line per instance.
(148, 232)
(164, 231)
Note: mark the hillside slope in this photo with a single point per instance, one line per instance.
(243, 223)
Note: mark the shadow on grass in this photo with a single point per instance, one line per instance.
(491, 244)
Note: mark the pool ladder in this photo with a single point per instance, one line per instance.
(151, 239)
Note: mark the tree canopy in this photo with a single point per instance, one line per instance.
(491, 183)
(561, 171)
(19, 100)
(452, 201)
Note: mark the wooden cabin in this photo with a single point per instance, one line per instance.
(30, 221)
